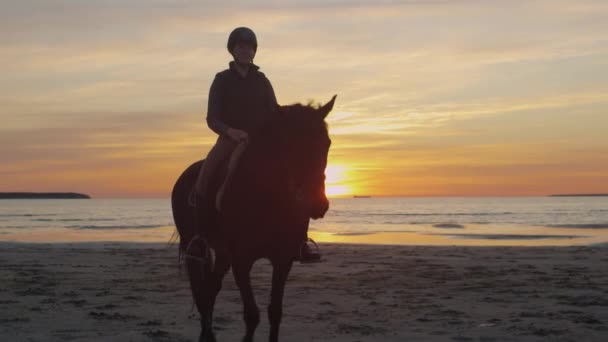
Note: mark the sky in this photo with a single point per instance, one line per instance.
(435, 98)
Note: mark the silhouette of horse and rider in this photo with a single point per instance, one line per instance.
(255, 193)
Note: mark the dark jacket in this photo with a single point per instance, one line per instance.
(245, 103)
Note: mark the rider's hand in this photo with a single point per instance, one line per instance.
(237, 134)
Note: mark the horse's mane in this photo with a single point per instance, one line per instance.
(292, 129)
(299, 120)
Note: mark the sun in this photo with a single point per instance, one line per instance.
(335, 179)
(336, 190)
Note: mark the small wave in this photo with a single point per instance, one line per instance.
(354, 234)
(583, 225)
(71, 220)
(143, 226)
(439, 214)
(508, 236)
(26, 215)
(448, 225)
(375, 232)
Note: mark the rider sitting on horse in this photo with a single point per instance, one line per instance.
(241, 101)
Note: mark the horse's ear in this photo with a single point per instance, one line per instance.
(327, 107)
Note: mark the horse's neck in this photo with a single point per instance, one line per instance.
(264, 162)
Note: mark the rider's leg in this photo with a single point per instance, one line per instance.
(232, 164)
(220, 152)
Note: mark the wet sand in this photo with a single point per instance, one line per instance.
(135, 292)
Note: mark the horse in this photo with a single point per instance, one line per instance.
(278, 186)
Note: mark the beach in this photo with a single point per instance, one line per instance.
(136, 292)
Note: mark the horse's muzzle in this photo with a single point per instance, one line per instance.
(319, 209)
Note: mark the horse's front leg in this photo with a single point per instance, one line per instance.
(241, 270)
(280, 271)
(205, 285)
(213, 285)
(198, 271)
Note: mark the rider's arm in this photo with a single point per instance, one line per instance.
(214, 108)
(272, 98)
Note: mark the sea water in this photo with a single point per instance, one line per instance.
(404, 220)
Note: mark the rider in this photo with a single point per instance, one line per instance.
(241, 101)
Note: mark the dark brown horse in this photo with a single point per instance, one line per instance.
(277, 187)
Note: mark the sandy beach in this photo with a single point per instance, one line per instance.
(136, 292)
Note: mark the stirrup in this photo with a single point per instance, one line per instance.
(207, 255)
(314, 254)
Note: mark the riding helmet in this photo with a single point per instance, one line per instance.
(244, 35)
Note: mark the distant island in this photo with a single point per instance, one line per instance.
(579, 195)
(43, 195)
(362, 196)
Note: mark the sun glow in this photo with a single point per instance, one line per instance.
(335, 181)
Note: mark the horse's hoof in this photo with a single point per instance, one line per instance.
(207, 337)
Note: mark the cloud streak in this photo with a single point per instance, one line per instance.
(89, 85)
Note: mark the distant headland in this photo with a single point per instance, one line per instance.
(579, 195)
(43, 195)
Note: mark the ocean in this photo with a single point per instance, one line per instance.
(486, 221)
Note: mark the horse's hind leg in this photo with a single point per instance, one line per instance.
(241, 270)
(280, 271)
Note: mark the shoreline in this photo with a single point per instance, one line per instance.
(174, 243)
(136, 292)
(42, 195)
(423, 236)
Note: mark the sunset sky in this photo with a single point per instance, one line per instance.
(435, 98)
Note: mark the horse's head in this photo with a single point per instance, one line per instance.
(306, 146)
